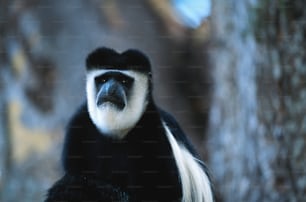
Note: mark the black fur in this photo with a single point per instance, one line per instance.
(106, 58)
(81, 188)
(140, 167)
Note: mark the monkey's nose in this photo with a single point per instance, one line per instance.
(113, 93)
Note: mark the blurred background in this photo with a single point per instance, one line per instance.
(233, 73)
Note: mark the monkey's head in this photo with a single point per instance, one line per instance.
(118, 89)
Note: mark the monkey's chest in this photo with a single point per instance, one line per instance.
(144, 167)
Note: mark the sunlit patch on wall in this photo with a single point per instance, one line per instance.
(25, 141)
(192, 13)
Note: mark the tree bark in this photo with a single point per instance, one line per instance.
(258, 125)
(257, 133)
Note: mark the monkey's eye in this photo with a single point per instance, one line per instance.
(100, 81)
(124, 81)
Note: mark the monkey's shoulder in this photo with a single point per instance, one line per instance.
(79, 127)
(171, 123)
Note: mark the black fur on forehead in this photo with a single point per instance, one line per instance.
(106, 58)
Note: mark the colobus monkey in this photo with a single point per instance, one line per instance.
(120, 146)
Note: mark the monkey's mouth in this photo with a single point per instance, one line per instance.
(112, 100)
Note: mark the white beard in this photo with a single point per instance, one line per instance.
(110, 120)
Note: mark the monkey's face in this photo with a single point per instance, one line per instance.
(113, 89)
(116, 99)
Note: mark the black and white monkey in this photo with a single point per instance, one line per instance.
(120, 146)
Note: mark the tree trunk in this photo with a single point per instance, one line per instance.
(258, 125)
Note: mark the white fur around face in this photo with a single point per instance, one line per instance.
(110, 120)
(195, 183)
